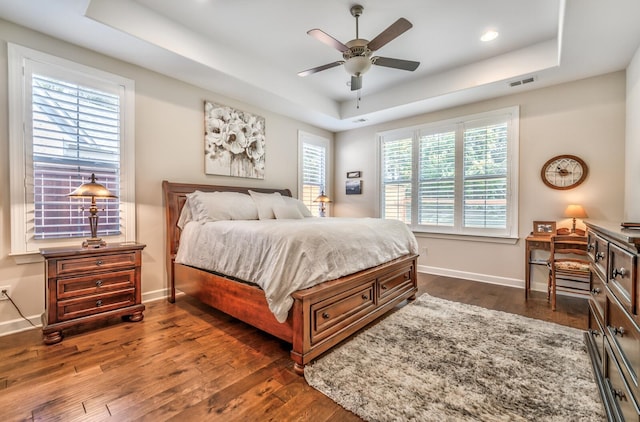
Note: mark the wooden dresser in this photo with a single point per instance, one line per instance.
(89, 284)
(613, 339)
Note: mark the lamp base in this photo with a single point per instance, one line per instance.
(94, 242)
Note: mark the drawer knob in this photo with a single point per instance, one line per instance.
(98, 302)
(325, 315)
(99, 262)
(599, 256)
(383, 287)
(595, 291)
(365, 297)
(618, 272)
(98, 283)
(618, 331)
(619, 394)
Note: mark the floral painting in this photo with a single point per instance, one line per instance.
(233, 142)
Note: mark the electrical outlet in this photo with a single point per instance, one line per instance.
(4, 289)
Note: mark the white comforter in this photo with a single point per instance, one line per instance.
(282, 256)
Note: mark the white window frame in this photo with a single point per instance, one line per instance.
(512, 114)
(310, 138)
(21, 58)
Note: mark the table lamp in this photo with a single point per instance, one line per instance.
(92, 190)
(323, 199)
(574, 211)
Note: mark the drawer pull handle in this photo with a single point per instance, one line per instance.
(618, 272)
(595, 291)
(365, 297)
(591, 246)
(98, 283)
(599, 256)
(99, 262)
(383, 287)
(594, 333)
(98, 302)
(619, 394)
(618, 330)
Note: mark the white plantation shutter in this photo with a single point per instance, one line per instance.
(67, 121)
(75, 132)
(457, 176)
(313, 170)
(397, 176)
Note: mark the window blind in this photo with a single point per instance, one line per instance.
(397, 157)
(436, 190)
(76, 132)
(313, 174)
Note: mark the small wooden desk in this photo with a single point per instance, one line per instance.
(540, 243)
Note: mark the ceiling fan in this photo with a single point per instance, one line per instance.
(357, 53)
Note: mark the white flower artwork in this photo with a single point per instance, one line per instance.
(233, 142)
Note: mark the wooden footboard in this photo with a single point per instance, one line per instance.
(321, 316)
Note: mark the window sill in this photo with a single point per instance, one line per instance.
(468, 238)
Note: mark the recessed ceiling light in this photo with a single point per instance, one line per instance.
(490, 35)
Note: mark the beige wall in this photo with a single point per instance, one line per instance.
(585, 118)
(632, 169)
(169, 145)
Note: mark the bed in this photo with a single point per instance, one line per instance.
(320, 316)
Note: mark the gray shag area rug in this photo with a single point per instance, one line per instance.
(437, 360)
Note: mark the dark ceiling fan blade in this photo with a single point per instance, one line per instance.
(396, 63)
(356, 82)
(320, 68)
(395, 30)
(322, 36)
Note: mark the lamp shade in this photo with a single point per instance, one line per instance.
(322, 198)
(575, 211)
(92, 188)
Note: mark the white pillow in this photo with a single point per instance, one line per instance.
(287, 212)
(216, 206)
(265, 203)
(302, 208)
(185, 214)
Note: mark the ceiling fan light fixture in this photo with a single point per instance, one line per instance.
(489, 35)
(357, 65)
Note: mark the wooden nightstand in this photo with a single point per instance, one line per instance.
(90, 284)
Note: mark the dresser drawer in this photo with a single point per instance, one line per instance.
(391, 283)
(95, 263)
(95, 304)
(330, 315)
(625, 341)
(95, 284)
(626, 405)
(621, 276)
(596, 332)
(597, 249)
(598, 294)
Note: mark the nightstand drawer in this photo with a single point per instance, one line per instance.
(90, 305)
(95, 263)
(95, 283)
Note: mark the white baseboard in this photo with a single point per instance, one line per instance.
(484, 278)
(18, 325)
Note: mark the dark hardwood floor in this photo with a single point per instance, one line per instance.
(190, 362)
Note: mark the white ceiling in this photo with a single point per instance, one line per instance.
(252, 50)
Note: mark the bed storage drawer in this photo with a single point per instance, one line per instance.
(390, 284)
(332, 314)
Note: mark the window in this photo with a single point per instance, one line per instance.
(67, 122)
(457, 176)
(313, 163)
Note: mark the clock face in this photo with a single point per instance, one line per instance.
(564, 172)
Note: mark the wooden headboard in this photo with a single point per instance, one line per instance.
(175, 195)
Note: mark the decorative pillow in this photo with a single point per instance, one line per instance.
(216, 206)
(265, 203)
(302, 208)
(287, 211)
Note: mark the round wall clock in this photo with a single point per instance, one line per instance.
(564, 172)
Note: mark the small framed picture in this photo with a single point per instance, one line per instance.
(353, 187)
(544, 228)
(353, 174)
